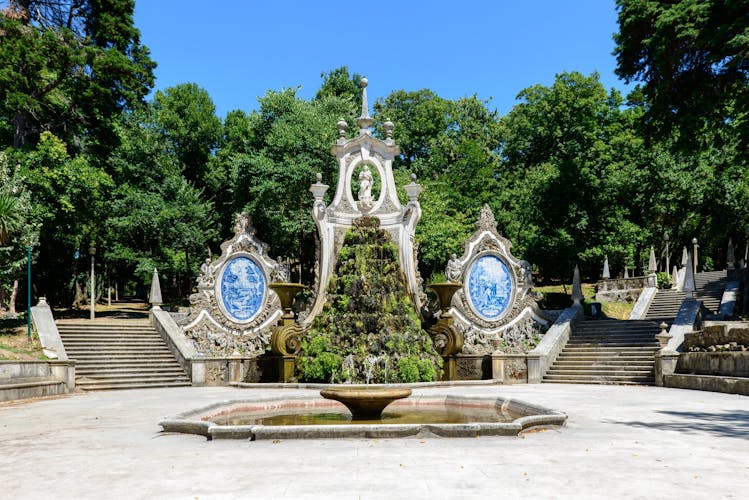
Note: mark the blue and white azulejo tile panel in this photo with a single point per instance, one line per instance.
(489, 287)
(242, 288)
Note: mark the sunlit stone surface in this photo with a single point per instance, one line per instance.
(489, 286)
(242, 288)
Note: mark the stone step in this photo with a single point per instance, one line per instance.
(613, 364)
(123, 355)
(117, 341)
(129, 384)
(614, 333)
(118, 354)
(114, 333)
(617, 336)
(605, 370)
(139, 377)
(104, 328)
(597, 382)
(602, 378)
(592, 355)
(603, 349)
(607, 345)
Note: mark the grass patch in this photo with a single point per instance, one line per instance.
(560, 297)
(15, 345)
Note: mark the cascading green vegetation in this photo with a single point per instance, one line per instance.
(368, 330)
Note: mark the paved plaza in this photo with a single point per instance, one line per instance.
(619, 442)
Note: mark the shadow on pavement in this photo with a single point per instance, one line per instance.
(726, 424)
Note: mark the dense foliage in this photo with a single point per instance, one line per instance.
(369, 330)
(574, 172)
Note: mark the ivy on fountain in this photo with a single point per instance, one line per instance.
(368, 330)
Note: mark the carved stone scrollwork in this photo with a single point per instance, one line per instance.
(286, 340)
(224, 317)
(446, 338)
(497, 293)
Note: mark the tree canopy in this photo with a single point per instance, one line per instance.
(574, 172)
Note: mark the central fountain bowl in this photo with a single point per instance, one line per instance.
(365, 403)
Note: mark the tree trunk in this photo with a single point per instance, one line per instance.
(12, 302)
(19, 137)
(80, 298)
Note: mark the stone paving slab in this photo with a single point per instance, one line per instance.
(619, 442)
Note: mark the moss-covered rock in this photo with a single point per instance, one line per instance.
(369, 330)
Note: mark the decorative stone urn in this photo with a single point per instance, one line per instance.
(285, 340)
(447, 339)
(365, 403)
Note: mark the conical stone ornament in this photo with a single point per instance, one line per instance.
(626, 273)
(606, 273)
(684, 257)
(577, 288)
(675, 277)
(652, 266)
(155, 296)
(689, 286)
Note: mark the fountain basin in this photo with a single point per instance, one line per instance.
(467, 416)
(365, 403)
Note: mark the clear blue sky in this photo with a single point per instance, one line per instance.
(237, 50)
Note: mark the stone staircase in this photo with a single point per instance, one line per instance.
(120, 355)
(665, 304)
(608, 352)
(710, 286)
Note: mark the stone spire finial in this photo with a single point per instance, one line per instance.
(626, 273)
(364, 121)
(606, 273)
(342, 128)
(652, 265)
(730, 257)
(675, 277)
(388, 127)
(155, 296)
(577, 287)
(684, 256)
(689, 287)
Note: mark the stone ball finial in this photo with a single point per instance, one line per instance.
(364, 82)
(318, 176)
(413, 177)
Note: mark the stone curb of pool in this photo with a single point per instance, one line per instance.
(191, 422)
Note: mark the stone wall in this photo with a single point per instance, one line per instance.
(731, 364)
(620, 290)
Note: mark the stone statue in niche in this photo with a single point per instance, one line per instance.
(365, 188)
(453, 271)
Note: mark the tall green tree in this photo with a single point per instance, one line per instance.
(69, 197)
(186, 117)
(288, 144)
(69, 67)
(420, 117)
(157, 217)
(19, 228)
(558, 197)
(693, 58)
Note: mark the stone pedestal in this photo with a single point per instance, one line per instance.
(665, 364)
(449, 368)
